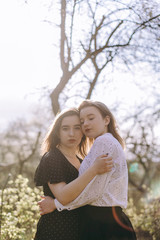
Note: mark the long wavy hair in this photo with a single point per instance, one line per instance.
(51, 140)
(104, 111)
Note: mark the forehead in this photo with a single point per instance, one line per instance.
(70, 120)
(90, 110)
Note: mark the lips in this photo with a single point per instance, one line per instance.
(87, 129)
(71, 140)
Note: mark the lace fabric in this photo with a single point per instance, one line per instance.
(108, 189)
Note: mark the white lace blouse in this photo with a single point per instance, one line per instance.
(108, 189)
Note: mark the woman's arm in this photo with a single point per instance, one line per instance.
(94, 189)
(66, 193)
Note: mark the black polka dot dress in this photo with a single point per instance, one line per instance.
(55, 168)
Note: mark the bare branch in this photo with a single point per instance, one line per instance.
(63, 35)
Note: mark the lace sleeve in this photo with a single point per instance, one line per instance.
(95, 188)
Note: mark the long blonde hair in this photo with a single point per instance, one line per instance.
(52, 139)
(104, 111)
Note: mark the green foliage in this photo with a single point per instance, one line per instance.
(145, 216)
(20, 211)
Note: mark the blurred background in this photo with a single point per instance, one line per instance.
(53, 55)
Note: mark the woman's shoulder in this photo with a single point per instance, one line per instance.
(107, 137)
(50, 157)
(106, 141)
(50, 163)
(51, 153)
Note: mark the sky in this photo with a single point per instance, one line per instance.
(28, 61)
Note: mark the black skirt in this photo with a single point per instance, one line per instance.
(105, 223)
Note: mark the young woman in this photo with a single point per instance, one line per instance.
(58, 172)
(102, 218)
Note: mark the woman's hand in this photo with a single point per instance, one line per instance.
(46, 205)
(103, 164)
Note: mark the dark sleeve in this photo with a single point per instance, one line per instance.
(50, 169)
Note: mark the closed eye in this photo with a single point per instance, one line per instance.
(78, 127)
(65, 128)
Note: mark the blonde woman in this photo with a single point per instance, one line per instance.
(102, 217)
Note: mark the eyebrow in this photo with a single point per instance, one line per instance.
(88, 115)
(76, 125)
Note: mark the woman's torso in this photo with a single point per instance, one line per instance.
(54, 168)
(113, 186)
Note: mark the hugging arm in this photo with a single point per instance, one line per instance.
(91, 192)
(66, 193)
(95, 188)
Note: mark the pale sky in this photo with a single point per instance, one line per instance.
(29, 62)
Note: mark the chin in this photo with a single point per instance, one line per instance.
(91, 136)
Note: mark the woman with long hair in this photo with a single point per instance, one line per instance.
(62, 150)
(102, 217)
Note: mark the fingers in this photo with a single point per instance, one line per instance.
(108, 158)
(108, 161)
(105, 164)
(108, 165)
(43, 197)
(104, 155)
(42, 213)
(109, 168)
(41, 210)
(40, 203)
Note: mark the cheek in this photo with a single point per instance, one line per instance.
(82, 129)
(80, 134)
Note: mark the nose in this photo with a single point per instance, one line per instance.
(71, 132)
(85, 123)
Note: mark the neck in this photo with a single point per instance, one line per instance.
(69, 152)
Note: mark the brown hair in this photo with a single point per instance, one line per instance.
(51, 139)
(104, 111)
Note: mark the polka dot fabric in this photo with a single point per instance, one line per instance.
(54, 168)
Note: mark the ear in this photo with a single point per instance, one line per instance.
(107, 120)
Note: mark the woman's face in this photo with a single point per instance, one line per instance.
(92, 122)
(70, 132)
